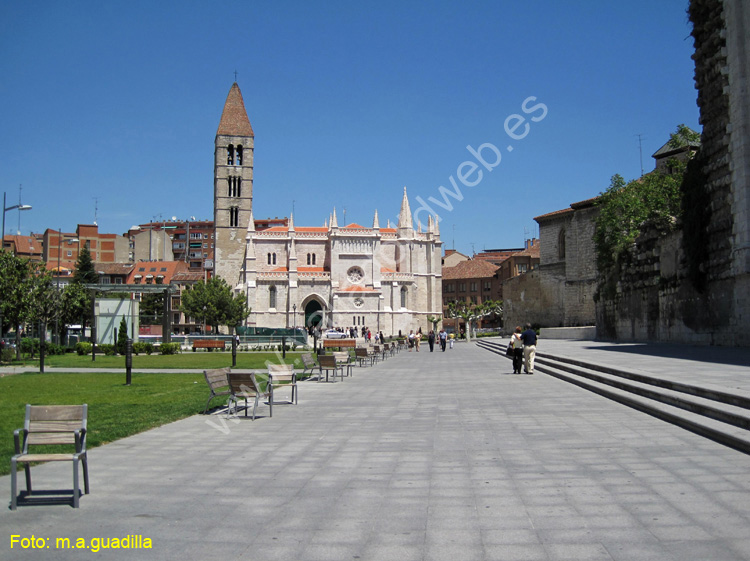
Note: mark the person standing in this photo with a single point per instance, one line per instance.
(452, 337)
(443, 336)
(517, 346)
(529, 339)
(418, 338)
(411, 339)
(431, 339)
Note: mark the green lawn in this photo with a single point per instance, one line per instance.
(115, 410)
(201, 360)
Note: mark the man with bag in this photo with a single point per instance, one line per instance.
(529, 339)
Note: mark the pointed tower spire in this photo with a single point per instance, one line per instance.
(437, 225)
(291, 222)
(250, 226)
(419, 226)
(429, 224)
(405, 224)
(375, 222)
(334, 220)
(234, 121)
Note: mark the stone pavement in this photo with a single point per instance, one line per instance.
(442, 456)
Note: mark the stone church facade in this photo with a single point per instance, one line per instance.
(387, 279)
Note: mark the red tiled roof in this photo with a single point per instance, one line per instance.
(311, 229)
(356, 288)
(354, 225)
(386, 270)
(234, 121)
(554, 214)
(310, 269)
(172, 267)
(388, 230)
(471, 269)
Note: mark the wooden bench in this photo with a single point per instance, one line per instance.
(243, 385)
(217, 383)
(282, 376)
(51, 425)
(339, 343)
(309, 363)
(209, 344)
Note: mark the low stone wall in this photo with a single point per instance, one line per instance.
(587, 333)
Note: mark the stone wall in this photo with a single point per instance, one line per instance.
(693, 285)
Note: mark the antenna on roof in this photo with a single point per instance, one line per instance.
(96, 210)
(640, 150)
(235, 76)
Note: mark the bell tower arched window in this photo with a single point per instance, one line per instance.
(230, 154)
(272, 297)
(404, 292)
(234, 217)
(238, 161)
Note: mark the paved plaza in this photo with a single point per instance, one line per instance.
(426, 456)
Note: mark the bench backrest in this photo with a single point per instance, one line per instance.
(339, 343)
(216, 378)
(360, 352)
(281, 372)
(308, 360)
(207, 343)
(54, 424)
(243, 384)
(327, 361)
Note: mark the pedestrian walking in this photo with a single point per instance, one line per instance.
(443, 336)
(529, 339)
(431, 339)
(516, 344)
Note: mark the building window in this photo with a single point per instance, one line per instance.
(230, 154)
(487, 286)
(561, 244)
(522, 268)
(403, 296)
(473, 286)
(234, 187)
(272, 297)
(70, 253)
(234, 217)
(311, 259)
(239, 156)
(272, 259)
(462, 287)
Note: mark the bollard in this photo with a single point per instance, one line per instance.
(128, 361)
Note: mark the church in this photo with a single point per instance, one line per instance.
(387, 279)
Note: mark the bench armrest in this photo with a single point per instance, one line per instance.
(20, 448)
(80, 436)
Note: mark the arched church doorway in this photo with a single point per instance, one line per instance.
(313, 314)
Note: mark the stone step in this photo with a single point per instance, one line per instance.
(716, 415)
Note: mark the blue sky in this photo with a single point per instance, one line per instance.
(114, 106)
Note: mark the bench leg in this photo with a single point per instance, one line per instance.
(85, 464)
(75, 483)
(13, 485)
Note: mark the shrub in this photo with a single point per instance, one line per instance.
(83, 348)
(29, 346)
(55, 349)
(143, 347)
(107, 349)
(170, 348)
(7, 355)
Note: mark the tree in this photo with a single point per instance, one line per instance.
(434, 320)
(626, 208)
(85, 272)
(152, 308)
(15, 291)
(75, 305)
(214, 304)
(471, 313)
(122, 337)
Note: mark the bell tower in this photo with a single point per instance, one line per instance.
(233, 187)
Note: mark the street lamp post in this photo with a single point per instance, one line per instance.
(19, 206)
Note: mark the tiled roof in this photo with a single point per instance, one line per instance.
(354, 225)
(114, 268)
(311, 269)
(471, 269)
(532, 251)
(356, 288)
(165, 269)
(234, 121)
(553, 214)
